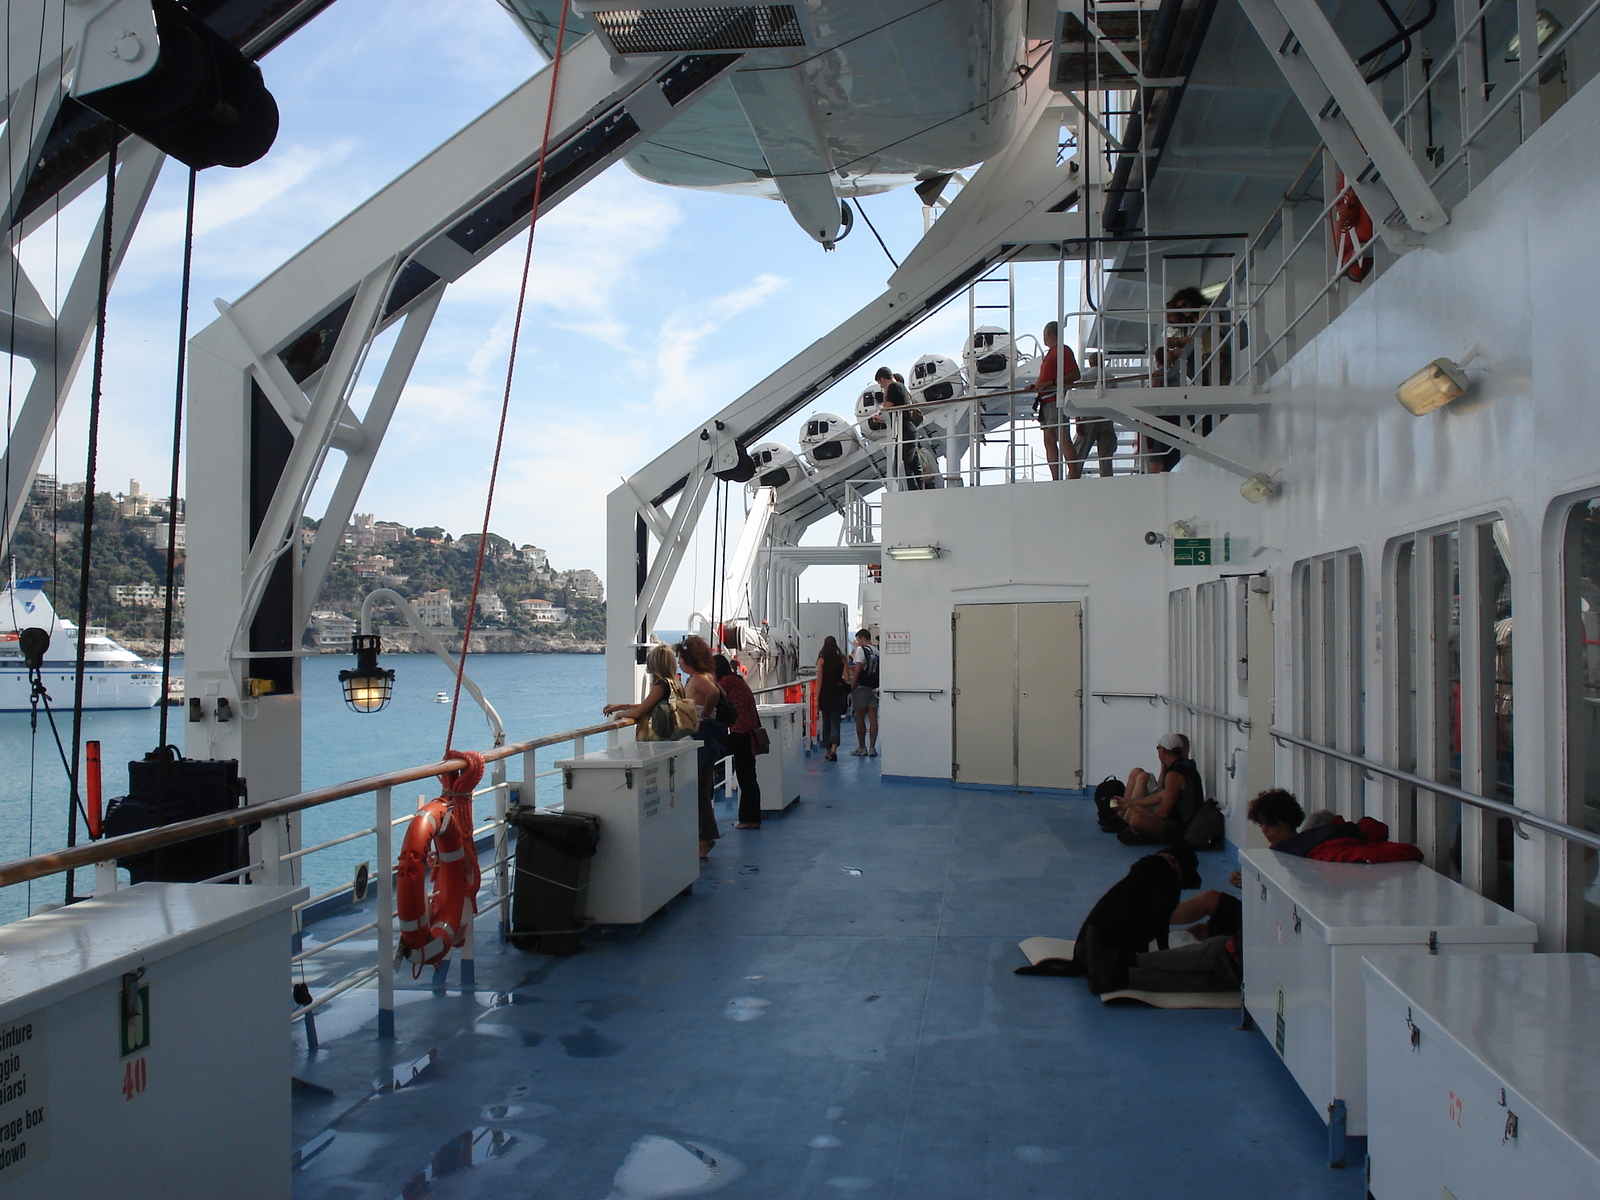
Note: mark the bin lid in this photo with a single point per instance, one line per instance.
(779, 710)
(1385, 903)
(1528, 1018)
(574, 834)
(630, 754)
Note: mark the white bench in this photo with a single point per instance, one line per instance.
(1483, 1078)
(1307, 926)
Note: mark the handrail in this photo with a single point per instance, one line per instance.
(1520, 815)
(106, 849)
(1108, 697)
(1243, 723)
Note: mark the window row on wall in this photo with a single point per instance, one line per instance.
(1208, 668)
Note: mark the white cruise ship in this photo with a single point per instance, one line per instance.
(114, 676)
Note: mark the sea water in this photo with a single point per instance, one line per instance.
(535, 695)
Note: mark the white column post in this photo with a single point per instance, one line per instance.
(385, 904)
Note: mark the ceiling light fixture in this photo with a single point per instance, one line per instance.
(1258, 487)
(913, 553)
(1438, 383)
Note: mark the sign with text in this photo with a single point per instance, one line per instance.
(1201, 552)
(24, 1126)
(897, 643)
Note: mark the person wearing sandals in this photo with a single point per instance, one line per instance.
(694, 655)
(832, 695)
(746, 721)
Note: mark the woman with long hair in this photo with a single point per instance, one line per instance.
(832, 695)
(661, 682)
(694, 654)
(747, 720)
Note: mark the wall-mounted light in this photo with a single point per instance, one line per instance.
(1258, 487)
(368, 686)
(1545, 25)
(913, 553)
(1438, 383)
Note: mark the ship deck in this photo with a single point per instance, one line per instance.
(830, 1013)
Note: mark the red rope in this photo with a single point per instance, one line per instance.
(511, 369)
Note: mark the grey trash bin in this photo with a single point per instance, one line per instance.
(551, 881)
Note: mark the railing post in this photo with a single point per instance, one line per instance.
(269, 838)
(530, 783)
(613, 739)
(502, 879)
(105, 878)
(385, 902)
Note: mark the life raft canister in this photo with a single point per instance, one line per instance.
(1352, 229)
(440, 835)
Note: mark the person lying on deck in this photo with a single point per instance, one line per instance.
(1278, 814)
(1135, 911)
(1158, 809)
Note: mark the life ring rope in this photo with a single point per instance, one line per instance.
(439, 837)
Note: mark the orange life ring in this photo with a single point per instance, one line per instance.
(440, 835)
(1352, 229)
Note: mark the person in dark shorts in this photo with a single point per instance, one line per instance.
(1157, 810)
(747, 721)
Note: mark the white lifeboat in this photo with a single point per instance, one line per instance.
(777, 467)
(829, 441)
(871, 421)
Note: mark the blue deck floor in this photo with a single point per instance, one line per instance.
(831, 1013)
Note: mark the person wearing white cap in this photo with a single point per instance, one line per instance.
(1158, 809)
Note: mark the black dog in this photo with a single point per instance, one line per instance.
(1135, 911)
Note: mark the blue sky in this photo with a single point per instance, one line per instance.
(649, 307)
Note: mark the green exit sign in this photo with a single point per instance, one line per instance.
(1201, 552)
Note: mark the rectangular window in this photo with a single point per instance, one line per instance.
(1404, 658)
(1330, 609)
(1494, 690)
(1446, 634)
(1581, 605)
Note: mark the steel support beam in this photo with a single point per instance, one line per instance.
(73, 329)
(1348, 117)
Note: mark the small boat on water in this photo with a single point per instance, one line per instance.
(441, 697)
(114, 676)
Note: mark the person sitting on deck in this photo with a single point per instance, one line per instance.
(1135, 911)
(1157, 810)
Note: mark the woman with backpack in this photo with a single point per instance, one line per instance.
(665, 713)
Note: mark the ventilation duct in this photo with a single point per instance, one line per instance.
(658, 29)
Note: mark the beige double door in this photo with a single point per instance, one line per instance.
(1018, 694)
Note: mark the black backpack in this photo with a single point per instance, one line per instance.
(869, 669)
(165, 787)
(1206, 828)
(1110, 788)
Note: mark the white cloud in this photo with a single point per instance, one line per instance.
(683, 332)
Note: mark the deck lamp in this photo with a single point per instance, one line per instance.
(367, 688)
(913, 553)
(1438, 383)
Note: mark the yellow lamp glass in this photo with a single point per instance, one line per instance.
(1438, 383)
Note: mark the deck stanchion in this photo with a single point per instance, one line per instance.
(385, 903)
(502, 881)
(270, 839)
(105, 878)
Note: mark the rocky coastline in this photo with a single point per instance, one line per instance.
(403, 641)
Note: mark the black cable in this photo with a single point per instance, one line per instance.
(874, 229)
(177, 450)
(1403, 34)
(95, 388)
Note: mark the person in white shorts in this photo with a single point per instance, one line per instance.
(864, 694)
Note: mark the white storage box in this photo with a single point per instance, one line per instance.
(1483, 1078)
(1307, 925)
(782, 767)
(188, 1095)
(645, 794)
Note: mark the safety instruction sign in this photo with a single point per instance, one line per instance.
(897, 642)
(24, 1107)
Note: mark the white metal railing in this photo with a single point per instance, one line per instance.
(274, 864)
(1518, 816)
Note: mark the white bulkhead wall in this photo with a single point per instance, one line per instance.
(1513, 281)
(1082, 541)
